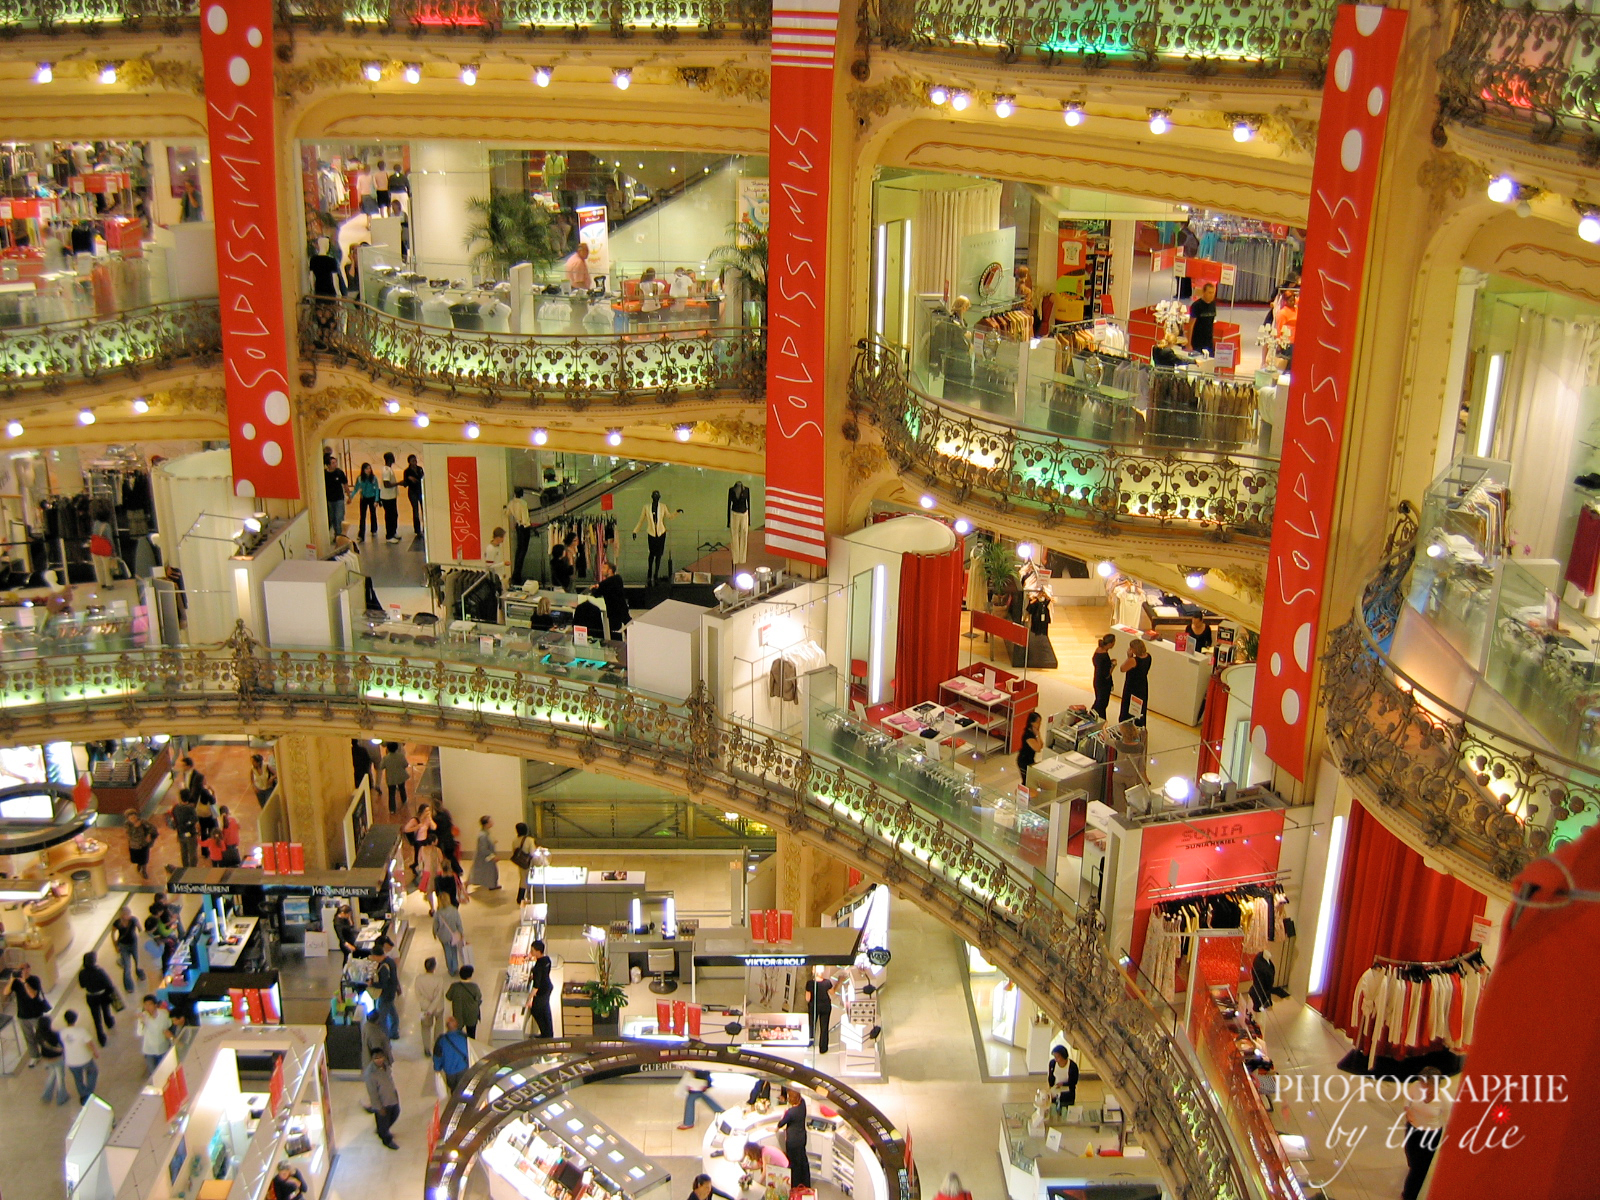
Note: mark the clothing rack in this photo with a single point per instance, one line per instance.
(1218, 887)
(1379, 960)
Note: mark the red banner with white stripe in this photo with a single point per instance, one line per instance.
(803, 43)
(1344, 182)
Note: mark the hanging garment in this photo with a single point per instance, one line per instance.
(1584, 561)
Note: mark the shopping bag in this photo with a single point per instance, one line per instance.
(467, 957)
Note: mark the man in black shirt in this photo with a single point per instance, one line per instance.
(32, 1006)
(386, 976)
(539, 980)
(336, 487)
(185, 823)
(411, 480)
(614, 593)
(1202, 319)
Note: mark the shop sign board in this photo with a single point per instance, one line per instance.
(755, 202)
(1344, 182)
(594, 231)
(804, 33)
(236, 45)
(461, 494)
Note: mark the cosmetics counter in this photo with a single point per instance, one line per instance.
(1084, 1152)
(561, 1152)
(838, 1154)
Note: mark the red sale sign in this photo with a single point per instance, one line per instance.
(1355, 115)
(803, 37)
(236, 42)
(461, 494)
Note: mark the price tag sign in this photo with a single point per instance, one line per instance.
(1225, 354)
(580, 635)
(1480, 930)
(1229, 274)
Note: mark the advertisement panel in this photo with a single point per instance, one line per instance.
(595, 233)
(466, 525)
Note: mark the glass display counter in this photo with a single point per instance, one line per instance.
(555, 652)
(560, 1152)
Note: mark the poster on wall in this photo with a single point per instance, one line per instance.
(801, 150)
(595, 232)
(466, 522)
(985, 270)
(236, 44)
(1344, 181)
(755, 203)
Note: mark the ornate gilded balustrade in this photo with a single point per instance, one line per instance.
(1204, 37)
(49, 357)
(1534, 67)
(982, 460)
(618, 369)
(1491, 800)
(1022, 924)
(664, 19)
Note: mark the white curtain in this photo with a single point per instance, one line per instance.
(943, 219)
(1550, 362)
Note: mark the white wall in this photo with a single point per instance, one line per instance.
(444, 176)
(183, 489)
(492, 494)
(475, 784)
(682, 232)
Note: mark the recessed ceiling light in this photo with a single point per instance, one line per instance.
(682, 432)
(1502, 188)
(539, 436)
(623, 78)
(373, 71)
(14, 429)
(44, 73)
(1160, 121)
(542, 75)
(470, 430)
(421, 420)
(391, 407)
(1589, 226)
(1004, 106)
(959, 100)
(938, 94)
(141, 405)
(613, 437)
(86, 416)
(1072, 113)
(469, 74)
(108, 72)
(1243, 131)
(412, 73)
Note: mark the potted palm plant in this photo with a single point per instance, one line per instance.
(508, 228)
(746, 253)
(606, 999)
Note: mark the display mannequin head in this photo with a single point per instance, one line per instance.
(959, 305)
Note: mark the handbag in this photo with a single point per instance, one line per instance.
(521, 857)
(468, 959)
(117, 1004)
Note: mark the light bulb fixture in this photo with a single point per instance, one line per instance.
(141, 405)
(542, 76)
(682, 432)
(108, 72)
(1004, 105)
(539, 436)
(963, 526)
(1105, 568)
(1589, 226)
(1072, 113)
(421, 420)
(1025, 551)
(470, 431)
(13, 429)
(1502, 189)
(613, 437)
(252, 524)
(373, 71)
(744, 581)
(937, 94)
(1243, 130)
(391, 407)
(86, 416)
(928, 501)
(412, 73)
(1524, 209)
(1195, 580)
(1160, 121)
(44, 73)
(959, 100)
(623, 78)
(1436, 550)
(469, 74)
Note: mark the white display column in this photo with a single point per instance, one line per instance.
(445, 175)
(475, 784)
(1122, 252)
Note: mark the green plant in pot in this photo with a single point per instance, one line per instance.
(507, 229)
(606, 1000)
(747, 252)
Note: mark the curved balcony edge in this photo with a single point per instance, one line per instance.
(1056, 953)
(46, 359)
(1476, 801)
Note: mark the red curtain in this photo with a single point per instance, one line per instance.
(1213, 724)
(928, 650)
(1391, 904)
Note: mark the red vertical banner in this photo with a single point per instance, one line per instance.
(1344, 182)
(803, 37)
(236, 42)
(466, 525)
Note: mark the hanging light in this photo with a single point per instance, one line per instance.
(928, 501)
(470, 431)
(1195, 580)
(1105, 568)
(683, 432)
(1025, 551)
(937, 94)
(541, 75)
(141, 405)
(613, 436)
(1502, 188)
(391, 407)
(412, 73)
(1243, 130)
(86, 416)
(959, 100)
(373, 71)
(623, 78)
(108, 72)
(1589, 226)
(469, 74)
(14, 429)
(1072, 113)
(44, 73)
(421, 420)
(539, 436)
(1004, 106)
(963, 526)
(1160, 121)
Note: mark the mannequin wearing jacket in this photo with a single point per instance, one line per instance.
(653, 520)
(739, 521)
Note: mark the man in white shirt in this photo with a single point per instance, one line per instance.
(578, 269)
(494, 554)
(389, 497)
(81, 1053)
(154, 1025)
(521, 524)
(427, 990)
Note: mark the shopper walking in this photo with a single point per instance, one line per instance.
(793, 1124)
(53, 1054)
(412, 480)
(485, 866)
(1103, 676)
(100, 994)
(541, 988)
(396, 768)
(522, 852)
(389, 496)
(263, 778)
(228, 830)
(374, 1038)
(336, 490)
(366, 494)
(33, 1007)
(125, 931)
(418, 831)
(697, 1088)
(1427, 1114)
(141, 836)
(1032, 743)
(154, 1024)
(466, 1001)
(428, 991)
(383, 1097)
(386, 977)
(452, 1054)
(447, 930)
(953, 1189)
(81, 1055)
(1136, 681)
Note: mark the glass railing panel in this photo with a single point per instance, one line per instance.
(88, 347)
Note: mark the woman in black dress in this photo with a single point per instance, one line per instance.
(1200, 635)
(1136, 669)
(1102, 674)
(793, 1124)
(819, 1005)
(1032, 743)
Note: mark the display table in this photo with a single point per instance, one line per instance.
(1178, 678)
(940, 727)
(579, 896)
(1035, 1172)
(837, 1153)
(998, 700)
(558, 1151)
(226, 953)
(120, 794)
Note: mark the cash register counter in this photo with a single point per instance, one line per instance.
(1178, 678)
(1082, 1148)
(579, 896)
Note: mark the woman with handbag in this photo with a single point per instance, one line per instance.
(141, 836)
(205, 812)
(102, 544)
(418, 831)
(485, 866)
(447, 929)
(100, 994)
(522, 852)
(430, 865)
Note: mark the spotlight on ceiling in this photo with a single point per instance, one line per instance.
(1072, 113)
(539, 436)
(391, 407)
(1195, 580)
(928, 501)
(422, 421)
(1243, 131)
(141, 405)
(1004, 106)
(959, 100)
(623, 78)
(542, 75)
(1160, 121)
(1502, 188)
(937, 94)
(1589, 226)
(412, 73)
(108, 72)
(1105, 568)
(14, 429)
(86, 416)
(469, 74)
(470, 430)
(373, 71)
(613, 437)
(963, 526)
(683, 432)
(1025, 551)
(44, 73)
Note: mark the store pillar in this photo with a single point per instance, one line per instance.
(315, 781)
(809, 882)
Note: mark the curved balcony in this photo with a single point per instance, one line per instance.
(947, 861)
(89, 349)
(1529, 68)
(1200, 37)
(1106, 487)
(619, 369)
(665, 19)
(1485, 800)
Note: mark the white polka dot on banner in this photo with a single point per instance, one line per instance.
(253, 36)
(1344, 69)
(1258, 739)
(1276, 663)
(1367, 18)
(217, 19)
(1302, 646)
(1375, 101)
(1291, 707)
(244, 488)
(271, 453)
(277, 408)
(249, 431)
(1350, 150)
(238, 71)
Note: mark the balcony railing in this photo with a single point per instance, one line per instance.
(1111, 486)
(665, 19)
(1204, 37)
(1491, 798)
(49, 357)
(536, 369)
(1012, 913)
(1535, 67)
